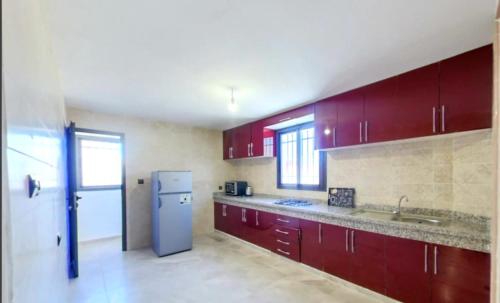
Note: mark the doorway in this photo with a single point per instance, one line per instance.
(96, 189)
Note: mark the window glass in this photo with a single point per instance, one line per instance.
(309, 158)
(288, 153)
(100, 163)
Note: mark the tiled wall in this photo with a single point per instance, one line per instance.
(443, 173)
(36, 265)
(150, 146)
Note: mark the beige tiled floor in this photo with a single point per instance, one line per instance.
(218, 269)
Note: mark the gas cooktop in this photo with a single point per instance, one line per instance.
(293, 202)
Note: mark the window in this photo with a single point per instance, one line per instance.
(299, 165)
(100, 162)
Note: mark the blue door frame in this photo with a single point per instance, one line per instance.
(71, 201)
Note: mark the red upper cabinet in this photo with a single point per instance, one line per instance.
(418, 103)
(408, 270)
(325, 123)
(459, 275)
(227, 144)
(242, 140)
(466, 91)
(257, 140)
(350, 118)
(380, 108)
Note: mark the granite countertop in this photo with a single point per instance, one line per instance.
(462, 230)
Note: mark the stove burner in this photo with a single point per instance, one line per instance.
(293, 202)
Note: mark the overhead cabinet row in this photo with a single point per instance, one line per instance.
(452, 95)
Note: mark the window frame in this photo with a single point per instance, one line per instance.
(322, 160)
(79, 176)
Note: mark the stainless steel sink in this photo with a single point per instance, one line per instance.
(415, 219)
(420, 220)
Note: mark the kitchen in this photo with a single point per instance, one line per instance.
(316, 161)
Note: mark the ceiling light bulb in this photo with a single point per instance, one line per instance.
(327, 131)
(232, 105)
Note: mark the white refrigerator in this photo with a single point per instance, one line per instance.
(171, 212)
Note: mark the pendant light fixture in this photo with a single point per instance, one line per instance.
(232, 105)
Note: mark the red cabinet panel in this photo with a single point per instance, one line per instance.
(311, 243)
(291, 114)
(265, 227)
(286, 234)
(408, 270)
(368, 260)
(287, 221)
(336, 251)
(459, 275)
(220, 218)
(466, 90)
(241, 141)
(257, 141)
(350, 118)
(288, 250)
(227, 144)
(325, 123)
(381, 109)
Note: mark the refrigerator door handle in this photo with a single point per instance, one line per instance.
(159, 185)
(159, 203)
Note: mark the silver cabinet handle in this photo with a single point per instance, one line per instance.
(352, 241)
(251, 149)
(256, 218)
(346, 240)
(282, 242)
(284, 119)
(360, 132)
(281, 232)
(224, 210)
(334, 137)
(283, 220)
(230, 152)
(443, 125)
(425, 257)
(366, 131)
(433, 119)
(248, 149)
(283, 252)
(320, 232)
(435, 260)
(243, 215)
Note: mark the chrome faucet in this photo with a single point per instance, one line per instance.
(398, 211)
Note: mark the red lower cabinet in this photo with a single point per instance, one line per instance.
(403, 269)
(408, 276)
(311, 243)
(459, 275)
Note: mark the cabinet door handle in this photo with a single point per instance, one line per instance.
(435, 260)
(251, 149)
(433, 119)
(248, 149)
(320, 234)
(366, 131)
(443, 115)
(360, 132)
(283, 252)
(282, 242)
(281, 232)
(256, 218)
(243, 215)
(346, 240)
(352, 241)
(224, 210)
(334, 137)
(283, 220)
(425, 257)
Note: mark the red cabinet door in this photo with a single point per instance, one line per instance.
(251, 222)
(257, 141)
(311, 243)
(368, 260)
(459, 275)
(336, 253)
(219, 216)
(265, 227)
(234, 221)
(325, 123)
(466, 91)
(241, 141)
(408, 275)
(227, 144)
(350, 118)
(417, 103)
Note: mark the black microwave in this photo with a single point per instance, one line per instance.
(236, 188)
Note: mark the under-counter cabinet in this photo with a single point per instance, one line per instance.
(406, 270)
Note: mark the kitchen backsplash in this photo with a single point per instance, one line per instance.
(452, 173)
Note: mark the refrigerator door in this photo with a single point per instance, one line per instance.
(174, 182)
(174, 224)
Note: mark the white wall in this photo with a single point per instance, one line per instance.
(34, 112)
(99, 214)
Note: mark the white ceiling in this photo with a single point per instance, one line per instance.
(176, 60)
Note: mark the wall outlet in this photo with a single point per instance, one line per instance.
(220, 187)
(140, 181)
